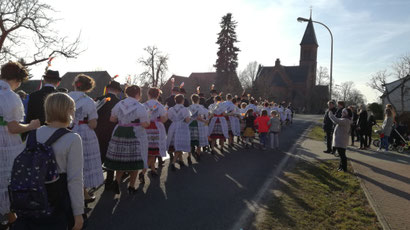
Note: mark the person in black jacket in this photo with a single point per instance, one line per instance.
(353, 130)
(369, 129)
(362, 126)
(210, 100)
(340, 107)
(183, 92)
(328, 126)
(104, 125)
(35, 107)
(170, 101)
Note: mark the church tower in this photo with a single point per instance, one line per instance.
(308, 53)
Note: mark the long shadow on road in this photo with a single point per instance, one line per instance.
(209, 195)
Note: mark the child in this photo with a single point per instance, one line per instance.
(179, 138)
(157, 145)
(85, 121)
(262, 122)
(128, 148)
(218, 127)
(249, 132)
(68, 152)
(242, 113)
(231, 118)
(288, 115)
(274, 130)
(197, 128)
(11, 114)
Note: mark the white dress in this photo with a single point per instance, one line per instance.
(11, 109)
(128, 147)
(218, 127)
(178, 134)
(233, 121)
(157, 137)
(85, 111)
(196, 111)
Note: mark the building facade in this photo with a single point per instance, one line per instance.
(295, 84)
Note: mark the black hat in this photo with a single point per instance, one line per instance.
(114, 85)
(51, 74)
(214, 91)
(182, 90)
(175, 89)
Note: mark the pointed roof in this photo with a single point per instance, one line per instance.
(309, 38)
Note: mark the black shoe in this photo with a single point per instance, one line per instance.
(328, 151)
(182, 164)
(132, 190)
(173, 167)
(116, 187)
(189, 161)
(141, 177)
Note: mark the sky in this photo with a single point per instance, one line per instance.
(369, 35)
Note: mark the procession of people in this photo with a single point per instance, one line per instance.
(124, 138)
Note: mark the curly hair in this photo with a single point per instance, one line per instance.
(14, 71)
(84, 83)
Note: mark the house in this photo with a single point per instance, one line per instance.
(295, 84)
(204, 80)
(102, 78)
(30, 86)
(396, 91)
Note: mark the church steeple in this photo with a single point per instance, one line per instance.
(308, 53)
(309, 38)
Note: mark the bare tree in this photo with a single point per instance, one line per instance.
(248, 75)
(156, 65)
(345, 89)
(322, 76)
(347, 92)
(26, 25)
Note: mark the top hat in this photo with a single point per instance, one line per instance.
(51, 74)
(114, 85)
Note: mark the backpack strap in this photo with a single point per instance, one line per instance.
(32, 138)
(56, 135)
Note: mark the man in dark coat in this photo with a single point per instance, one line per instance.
(105, 127)
(35, 107)
(170, 101)
(202, 100)
(186, 101)
(328, 126)
(210, 100)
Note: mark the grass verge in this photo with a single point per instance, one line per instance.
(316, 196)
(317, 133)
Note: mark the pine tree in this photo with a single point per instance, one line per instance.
(227, 61)
(227, 79)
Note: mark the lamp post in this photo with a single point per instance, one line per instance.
(300, 19)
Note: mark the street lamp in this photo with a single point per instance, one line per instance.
(300, 19)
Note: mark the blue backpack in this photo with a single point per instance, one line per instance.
(33, 170)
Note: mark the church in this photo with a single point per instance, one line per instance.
(295, 84)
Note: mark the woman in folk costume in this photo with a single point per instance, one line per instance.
(85, 121)
(197, 128)
(157, 145)
(232, 119)
(11, 114)
(128, 148)
(179, 138)
(252, 105)
(218, 127)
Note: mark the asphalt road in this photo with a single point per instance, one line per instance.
(210, 195)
